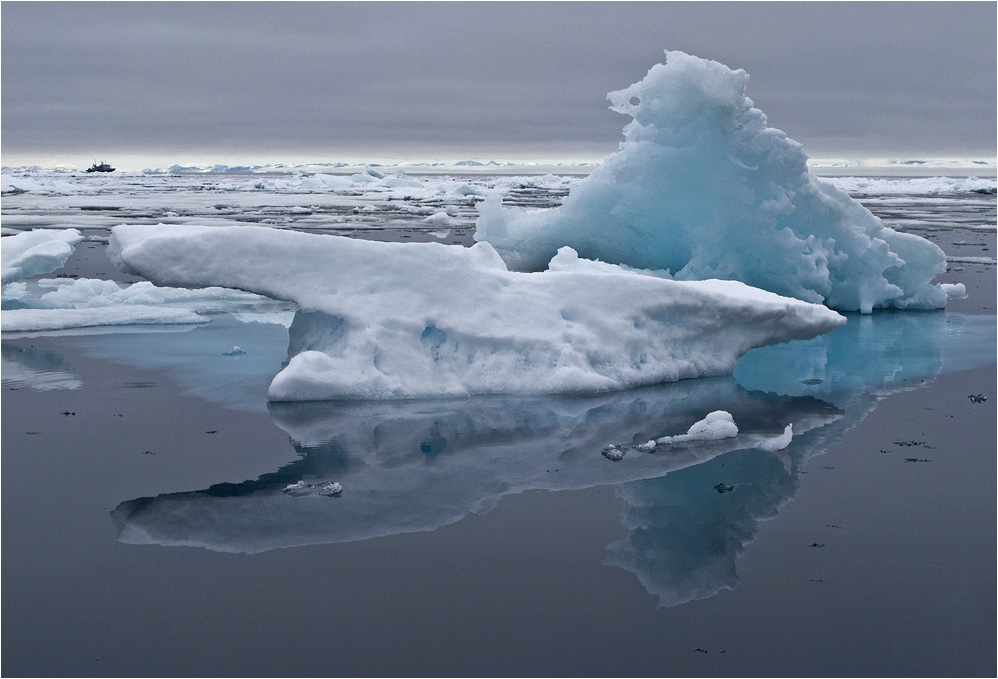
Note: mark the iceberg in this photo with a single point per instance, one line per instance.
(407, 320)
(702, 188)
(36, 252)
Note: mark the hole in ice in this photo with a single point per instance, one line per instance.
(432, 338)
(634, 101)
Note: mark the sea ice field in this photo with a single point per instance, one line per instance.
(385, 423)
(147, 528)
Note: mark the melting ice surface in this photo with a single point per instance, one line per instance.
(702, 188)
(403, 320)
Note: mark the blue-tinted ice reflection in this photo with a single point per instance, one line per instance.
(37, 368)
(882, 353)
(228, 361)
(684, 533)
(418, 465)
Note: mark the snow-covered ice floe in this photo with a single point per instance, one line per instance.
(404, 320)
(36, 320)
(58, 304)
(702, 188)
(36, 252)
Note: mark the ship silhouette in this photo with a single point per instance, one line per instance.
(103, 167)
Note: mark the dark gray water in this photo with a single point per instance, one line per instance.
(146, 531)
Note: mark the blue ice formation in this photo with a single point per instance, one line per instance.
(702, 188)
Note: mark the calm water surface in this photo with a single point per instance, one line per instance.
(146, 531)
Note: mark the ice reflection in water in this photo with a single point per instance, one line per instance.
(37, 368)
(418, 465)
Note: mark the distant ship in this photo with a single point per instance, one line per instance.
(103, 167)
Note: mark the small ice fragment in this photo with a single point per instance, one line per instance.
(298, 489)
(236, 351)
(779, 442)
(717, 425)
(439, 219)
(613, 452)
(646, 447)
(329, 488)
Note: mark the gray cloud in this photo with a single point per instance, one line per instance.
(476, 78)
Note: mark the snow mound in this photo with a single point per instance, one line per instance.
(703, 188)
(402, 320)
(716, 425)
(36, 252)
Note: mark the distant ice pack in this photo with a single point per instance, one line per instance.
(702, 188)
(403, 320)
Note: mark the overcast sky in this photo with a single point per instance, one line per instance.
(321, 81)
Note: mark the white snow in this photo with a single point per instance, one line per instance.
(914, 185)
(89, 302)
(778, 442)
(399, 320)
(83, 293)
(34, 320)
(36, 252)
(703, 188)
(716, 425)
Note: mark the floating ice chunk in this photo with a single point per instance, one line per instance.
(35, 252)
(324, 182)
(915, 185)
(647, 446)
(439, 219)
(298, 489)
(236, 351)
(85, 293)
(400, 181)
(613, 452)
(717, 425)
(702, 188)
(36, 320)
(331, 488)
(778, 442)
(301, 489)
(38, 185)
(466, 190)
(404, 320)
